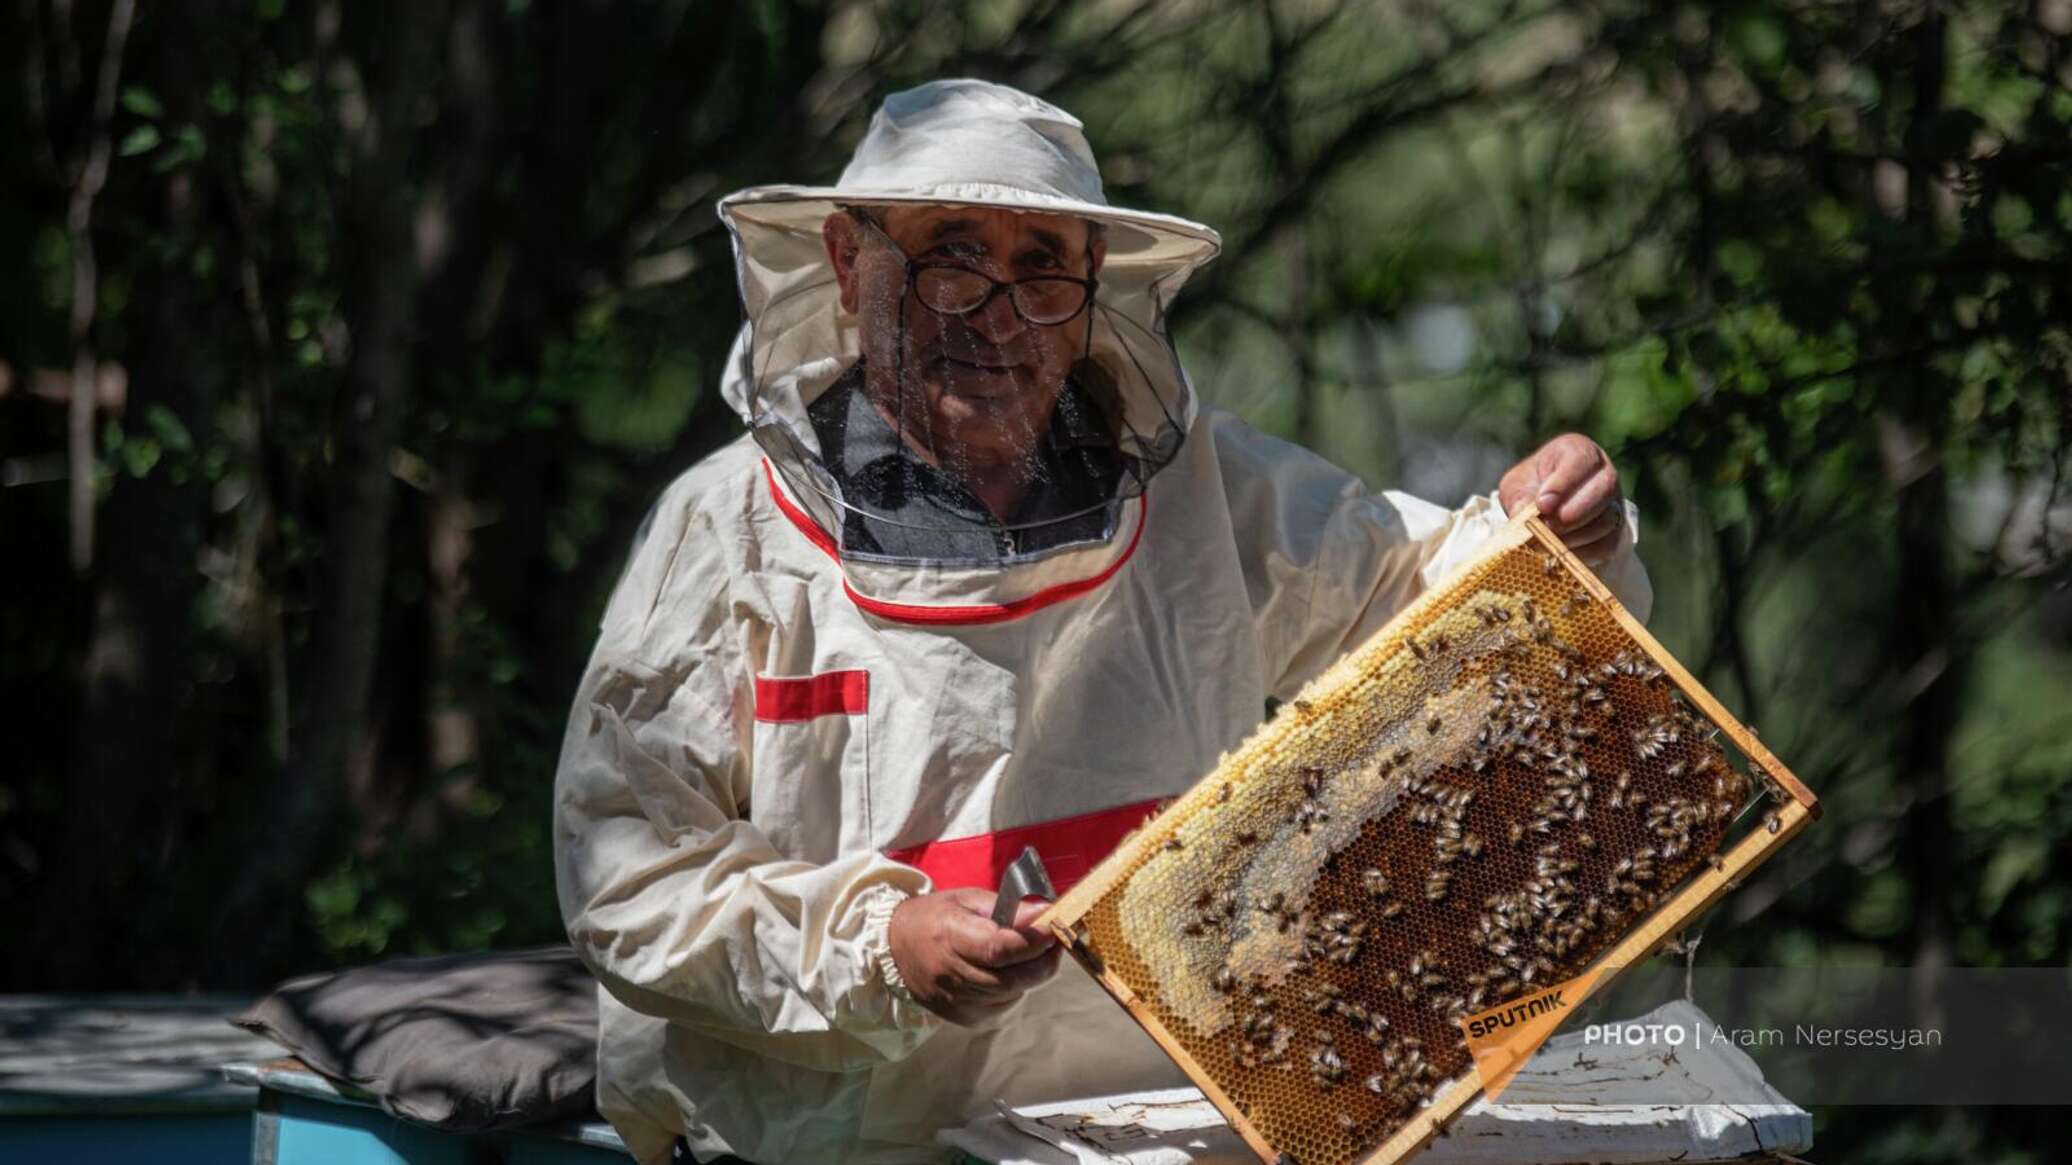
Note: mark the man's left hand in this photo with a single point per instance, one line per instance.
(1577, 489)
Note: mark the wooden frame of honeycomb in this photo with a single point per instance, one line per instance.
(1510, 786)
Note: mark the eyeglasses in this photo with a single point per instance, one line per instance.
(951, 289)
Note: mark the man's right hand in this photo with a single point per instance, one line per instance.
(958, 964)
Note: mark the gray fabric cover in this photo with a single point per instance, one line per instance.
(464, 1042)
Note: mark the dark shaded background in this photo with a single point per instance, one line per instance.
(343, 346)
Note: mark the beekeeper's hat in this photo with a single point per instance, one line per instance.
(962, 142)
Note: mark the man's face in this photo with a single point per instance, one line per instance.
(976, 390)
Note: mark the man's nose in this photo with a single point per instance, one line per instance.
(997, 321)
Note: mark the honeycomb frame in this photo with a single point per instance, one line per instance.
(1318, 790)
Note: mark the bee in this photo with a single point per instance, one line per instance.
(1440, 644)
(1375, 882)
(1304, 707)
(1259, 1028)
(1374, 1028)
(1173, 843)
(1391, 909)
(1223, 794)
(1549, 565)
(1772, 822)
(1402, 987)
(1347, 1124)
(1393, 1056)
(1517, 832)
(1471, 845)
(1433, 725)
(1224, 981)
(1436, 885)
(1417, 649)
(1246, 837)
(1586, 841)
(1309, 815)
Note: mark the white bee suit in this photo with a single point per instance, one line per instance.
(762, 724)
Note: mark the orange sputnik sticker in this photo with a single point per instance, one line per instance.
(1504, 1037)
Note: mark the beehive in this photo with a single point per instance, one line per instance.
(1511, 785)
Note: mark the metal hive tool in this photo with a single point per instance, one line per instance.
(1511, 785)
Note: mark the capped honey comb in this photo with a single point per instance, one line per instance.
(1510, 785)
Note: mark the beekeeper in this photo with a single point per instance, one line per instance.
(985, 573)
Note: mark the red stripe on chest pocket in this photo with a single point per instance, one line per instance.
(835, 693)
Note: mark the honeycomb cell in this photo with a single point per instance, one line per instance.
(1479, 802)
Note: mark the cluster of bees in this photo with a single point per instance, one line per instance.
(1584, 792)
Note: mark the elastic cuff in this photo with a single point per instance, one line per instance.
(1467, 530)
(876, 942)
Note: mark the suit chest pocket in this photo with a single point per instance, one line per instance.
(812, 763)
